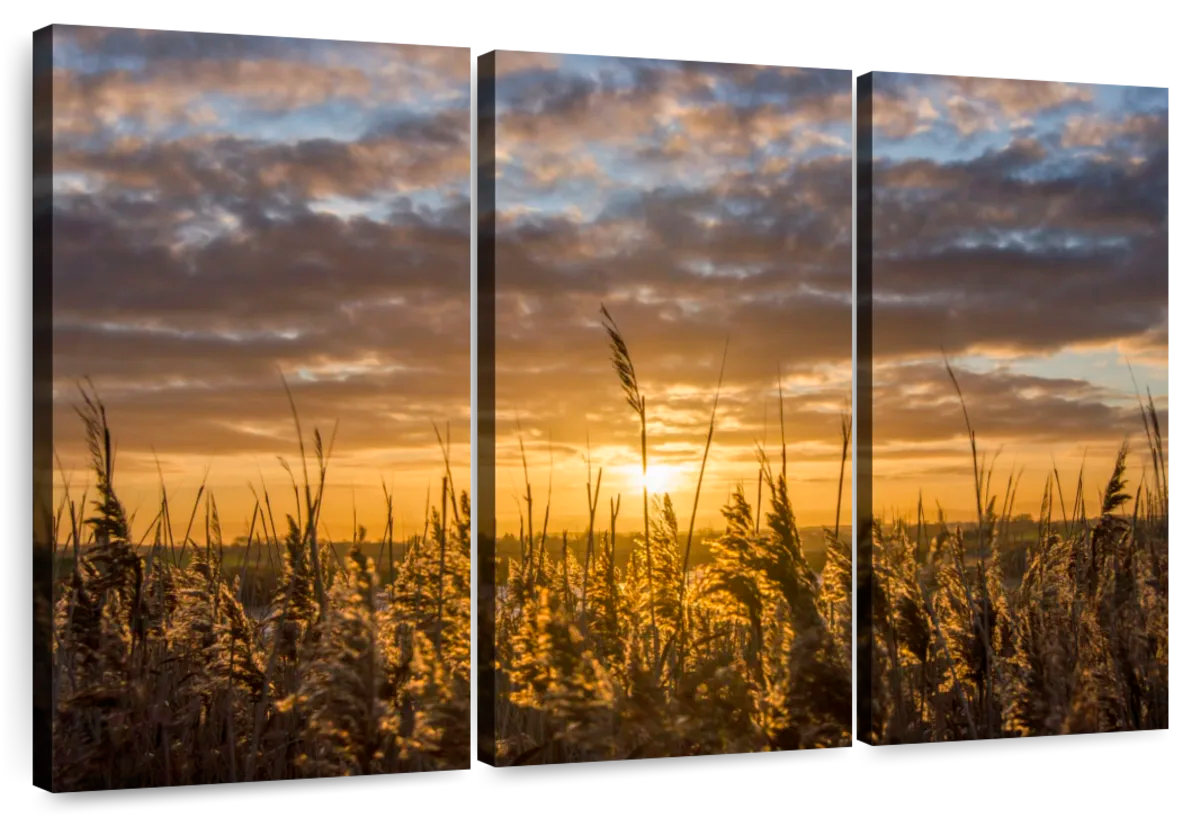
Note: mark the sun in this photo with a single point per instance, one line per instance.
(659, 479)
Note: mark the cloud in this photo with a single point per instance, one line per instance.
(1017, 98)
(1024, 235)
(1134, 131)
(228, 205)
(916, 403)
(230, 208)
(713, 107)
(969, 116)
(172, 93)
(1019, 248)
(105, 79)
(695, 201)
(902, 116)
(520, 62)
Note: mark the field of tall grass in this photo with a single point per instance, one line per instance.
(650, 655)
(178, 659)
(175, 664)
(981, 633)
(1013, 629)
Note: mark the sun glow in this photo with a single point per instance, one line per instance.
(658, 479)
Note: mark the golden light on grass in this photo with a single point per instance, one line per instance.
(277, 655)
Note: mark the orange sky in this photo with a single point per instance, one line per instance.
(697, 202)
(229, 208)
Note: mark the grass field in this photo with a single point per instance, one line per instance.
(187, 660)
(1011, 626)
(1024, 627)
(665, 643)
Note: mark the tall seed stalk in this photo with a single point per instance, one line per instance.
(622, 363)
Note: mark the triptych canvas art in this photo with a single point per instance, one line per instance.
(714, 379)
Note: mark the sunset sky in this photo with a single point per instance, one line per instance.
(696, 201)
(226, 207)
(1021, 227)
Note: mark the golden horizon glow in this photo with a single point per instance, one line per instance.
(594, 211)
